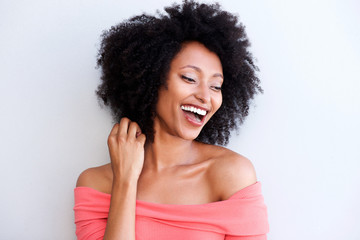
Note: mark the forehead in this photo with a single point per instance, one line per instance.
(196, 54)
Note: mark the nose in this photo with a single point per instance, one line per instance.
(203, 93)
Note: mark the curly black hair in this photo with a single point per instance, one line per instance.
(135, 58)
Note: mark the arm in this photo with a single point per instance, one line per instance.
(121, 219)
(126, 147)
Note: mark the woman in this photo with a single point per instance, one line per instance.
(177, 84)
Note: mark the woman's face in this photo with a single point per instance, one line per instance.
(193, 92)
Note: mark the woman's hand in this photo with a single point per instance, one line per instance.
(126, 148)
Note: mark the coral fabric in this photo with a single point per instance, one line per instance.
(242, 216)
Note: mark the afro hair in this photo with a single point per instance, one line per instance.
(135, 58)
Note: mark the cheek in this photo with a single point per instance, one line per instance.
(217, 101)
(167, 101)
(162, 101)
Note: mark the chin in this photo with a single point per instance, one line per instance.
(189, 136)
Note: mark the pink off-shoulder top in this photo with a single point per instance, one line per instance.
(241, 217)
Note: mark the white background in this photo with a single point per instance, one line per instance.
(302, 134)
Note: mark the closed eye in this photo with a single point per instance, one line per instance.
(187, 78)
(217, 88)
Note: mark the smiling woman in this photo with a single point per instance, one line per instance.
(177, 84)
(191, 95)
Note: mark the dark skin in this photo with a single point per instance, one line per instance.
(174, 169)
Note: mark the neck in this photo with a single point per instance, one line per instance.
(168, 151)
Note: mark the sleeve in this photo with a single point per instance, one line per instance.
(90, 230)
(91, 211)
(249, 215)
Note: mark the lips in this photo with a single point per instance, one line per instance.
(193, 119)
(194, 114)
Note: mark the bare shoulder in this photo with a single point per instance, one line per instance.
(97, 178)
(230, 172)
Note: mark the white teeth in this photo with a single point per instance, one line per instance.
(194, 110)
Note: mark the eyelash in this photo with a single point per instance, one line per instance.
(187, 78)
(192, 80)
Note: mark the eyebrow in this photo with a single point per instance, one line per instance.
(199, 70)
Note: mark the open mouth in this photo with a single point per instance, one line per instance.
(194, 114)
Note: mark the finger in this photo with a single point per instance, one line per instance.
(113, 135)
(114, 130)
(141, 138)
(123, 127)
(134, 130)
